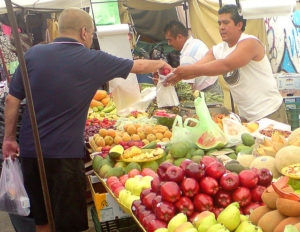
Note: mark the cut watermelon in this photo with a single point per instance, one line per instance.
(164, 118)
(208, 141)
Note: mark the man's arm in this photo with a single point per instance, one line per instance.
(149, 66)
(10, 146)
(246, 50)
(209, 56)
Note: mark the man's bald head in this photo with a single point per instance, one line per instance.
(72, 20)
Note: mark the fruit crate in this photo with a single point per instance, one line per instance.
(117, 225)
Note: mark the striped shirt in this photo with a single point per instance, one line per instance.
(192, 51)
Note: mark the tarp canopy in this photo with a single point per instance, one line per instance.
(62, 4)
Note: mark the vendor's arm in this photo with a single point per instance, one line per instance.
(10, 146)
(246, 50)
(149, 66)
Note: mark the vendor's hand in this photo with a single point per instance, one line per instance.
(10, 148)
(165, 68)
(174, 78)
(155, 78)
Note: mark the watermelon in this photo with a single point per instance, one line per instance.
(164, 118)
(208, 141)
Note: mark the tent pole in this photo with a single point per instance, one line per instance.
(185, 7)
(220, 3)
(38, 149)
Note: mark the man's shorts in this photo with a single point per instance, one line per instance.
(67, 190)
(279, 115)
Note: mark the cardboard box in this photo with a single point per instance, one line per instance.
(107, 208)
(288, 84)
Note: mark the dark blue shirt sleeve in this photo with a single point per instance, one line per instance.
(16, 87)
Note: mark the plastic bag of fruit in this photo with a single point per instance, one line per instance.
(206, 134)
(233, 131)
(180, 131)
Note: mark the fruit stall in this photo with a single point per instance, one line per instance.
(169, 173)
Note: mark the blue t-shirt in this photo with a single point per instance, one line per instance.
(63, 78)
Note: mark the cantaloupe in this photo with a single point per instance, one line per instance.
(288, 207)
(286, 156)
(285, 222)
(270, 220)
(265, 162)
(258, 213)
(295, 135)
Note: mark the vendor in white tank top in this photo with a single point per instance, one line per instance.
(242, 60)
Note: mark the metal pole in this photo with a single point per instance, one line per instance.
(185, 7)
(38, 149)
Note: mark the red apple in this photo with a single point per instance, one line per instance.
(242, 195)
(116, 185)
(217, 211)
(155, 185)
(265, 177)
(156, 224)
(118, 190)
(203, 202)
(133, 173)
(146, 220)
(174, 173)
(165, 71)
(111, 180)
(194, 170)
(207, 160)
(257, 192)
(164, 211)
(148, 172)
(230, 181)
(155, 201)
(190, 187)
(123, 179)
(223, 198)
(135, 206)
(161, 170)
(215, 170)
(170, 191)
(249, 208)
(147, 200)
(144, 193)
(185, 163)
(248, 178)
(209, 185)
(140, 209)
(255, 170)
(185, 205)
(143, 214)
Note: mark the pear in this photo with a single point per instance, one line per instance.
(131, 199)
(191, 230)
(184, 227)
(176, 221)
(130, 183)
(200, 216)
(217, 228)
(137, 188)
(246, 226)
(230, 216)
(207, 222)
(146, 180)
(244, 218)
(123, 195)
(161, 230)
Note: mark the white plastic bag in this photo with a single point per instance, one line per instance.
(233, 130)
(13, 196)
(166, 96)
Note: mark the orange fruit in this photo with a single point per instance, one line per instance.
(168, 134)
(100, 141)
(111, 133)
(137, 125)
(118, 139)
(108, 140)
(142, 135)
(140, 129)
(131, 129)
(105, 100)
(126, 137)
(103, 132)
(161, 129)
(148, 129)
(165, 140)
(125, 127)
(159, 136)
(135, 137)
(151, 137)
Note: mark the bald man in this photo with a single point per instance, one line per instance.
(64, 76)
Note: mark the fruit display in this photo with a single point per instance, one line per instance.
(132, 132)
(282, 206)
(164, 118)
(93, 126)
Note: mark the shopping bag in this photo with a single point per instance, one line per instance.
(180, 132)
(208, 134)
(166, 96)
(233, 130)
(13, 196)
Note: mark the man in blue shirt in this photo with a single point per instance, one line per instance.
(64, 76)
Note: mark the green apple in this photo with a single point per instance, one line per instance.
(146, 180)
(198, 219)
(137, 188)
(184, 227)
(176, 221)
(230, 216)
(123, 195)
(131, 199)
(129, 184)
(207, 222)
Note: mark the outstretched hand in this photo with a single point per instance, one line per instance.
(10, 148)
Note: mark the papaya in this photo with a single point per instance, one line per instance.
(100, 94)
(97, 163)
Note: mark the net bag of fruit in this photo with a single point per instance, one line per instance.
(206, 134)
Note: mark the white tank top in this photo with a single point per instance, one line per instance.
(253, 87)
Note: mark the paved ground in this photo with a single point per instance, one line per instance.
(6, 226)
